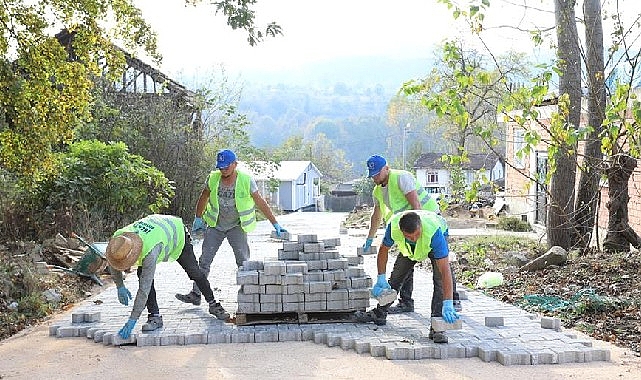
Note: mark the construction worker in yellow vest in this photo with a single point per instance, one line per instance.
(226, 209)
(419, 235)
(396, 191)
(151, 240)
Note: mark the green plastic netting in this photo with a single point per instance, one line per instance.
(582, 299)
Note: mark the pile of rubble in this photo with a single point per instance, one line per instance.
(359, 217)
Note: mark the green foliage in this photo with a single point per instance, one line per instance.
(240, 16)
(104, 182)
(457, 177)
(512, 223)
(35, 305)
(620, 132)
(364, 187)
(46, 88)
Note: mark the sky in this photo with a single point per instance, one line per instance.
(194, 39)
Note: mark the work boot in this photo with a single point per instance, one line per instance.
(401, 307)
(379, 318)
(457, 305)
(437, 336)
(217, 310)
(190, 297)
(153, 323)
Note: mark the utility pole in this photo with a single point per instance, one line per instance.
(405, 130)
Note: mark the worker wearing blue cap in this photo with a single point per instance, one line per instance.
(226, 210)
(396, 191)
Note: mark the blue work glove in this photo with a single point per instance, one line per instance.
(380, 286)
(368, 244)
(449, 314)
(198, 225)
(126, 330)
(124, 295)
(278, 229)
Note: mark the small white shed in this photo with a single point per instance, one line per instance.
(298, 183)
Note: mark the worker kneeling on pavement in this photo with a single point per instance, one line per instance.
(145, 243)
(418, 235)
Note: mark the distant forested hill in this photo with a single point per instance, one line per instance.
(346, 100)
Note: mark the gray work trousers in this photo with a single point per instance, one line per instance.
(402, 280)
(213, 239)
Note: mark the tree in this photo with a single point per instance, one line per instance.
(587, 199)
(46, 83)
(464, 91)
(570, 222)
(561, 229)
(240, 16)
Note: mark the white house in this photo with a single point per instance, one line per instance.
(290, 185)
(434, 175)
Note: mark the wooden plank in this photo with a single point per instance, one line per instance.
(295, 317)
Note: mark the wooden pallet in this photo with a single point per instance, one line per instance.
(295, 317)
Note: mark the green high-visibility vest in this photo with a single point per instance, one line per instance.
(244, 202)
(397, 199)
(430, 223)
(153, 229)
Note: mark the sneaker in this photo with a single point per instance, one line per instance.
(153, 323)
(437, 336)
(217, 310)
(370, 316)
(401, 307)
(457, 305)
(190, 297)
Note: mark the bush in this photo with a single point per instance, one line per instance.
(101, 187)
(512, 223)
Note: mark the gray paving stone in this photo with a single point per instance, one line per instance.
(214, 337)
(144, 340)
(320, 337)
(53, 330)
(378, 349)
(518, 357)
(290, 335)
(196, 338)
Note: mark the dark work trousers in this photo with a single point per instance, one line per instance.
(188, 262)
(402, 280)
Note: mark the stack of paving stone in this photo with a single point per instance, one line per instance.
(310, 275)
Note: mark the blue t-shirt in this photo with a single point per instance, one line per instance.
(438, 242)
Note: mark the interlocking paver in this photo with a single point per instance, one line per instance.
(522, 339)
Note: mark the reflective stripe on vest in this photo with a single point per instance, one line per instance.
(242, 196)
(153, 229)
(398, 201)
(430, 223)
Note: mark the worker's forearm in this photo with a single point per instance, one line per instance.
(375, 222)
(266, 210)
(117, 276)
(202, 203)
(381, 259)
(412, 199)
(446, 277)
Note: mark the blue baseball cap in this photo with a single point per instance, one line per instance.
(375, 164)
(224, 158)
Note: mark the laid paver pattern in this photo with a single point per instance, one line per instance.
(491, 330)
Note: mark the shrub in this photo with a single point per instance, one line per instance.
(512, 223)
(101, 187)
